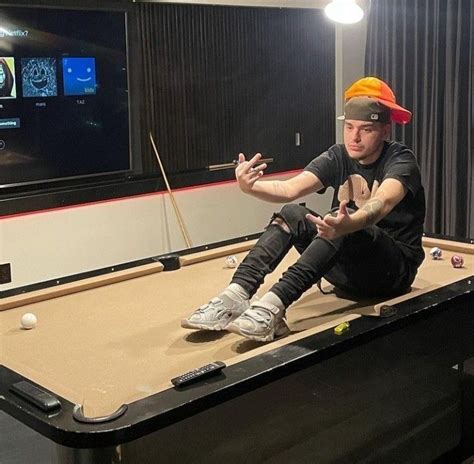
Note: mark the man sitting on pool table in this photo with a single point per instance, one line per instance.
(368, 245)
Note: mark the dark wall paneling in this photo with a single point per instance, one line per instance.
(220, 80)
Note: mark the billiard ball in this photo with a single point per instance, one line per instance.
(231, 261)
(28, 321)
(436, 253)
(457, 261)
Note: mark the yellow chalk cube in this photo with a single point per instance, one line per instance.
(341, 328)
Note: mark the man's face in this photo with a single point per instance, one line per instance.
(364, 140)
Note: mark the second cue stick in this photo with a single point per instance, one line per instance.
(173, 201)
(234, 164)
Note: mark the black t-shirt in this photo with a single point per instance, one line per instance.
(356, 183)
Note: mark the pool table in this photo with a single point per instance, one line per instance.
(107, 345)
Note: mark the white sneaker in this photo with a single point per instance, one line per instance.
(262, 322)
(217, 314)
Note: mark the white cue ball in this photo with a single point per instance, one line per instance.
(231, 261)
(28, 321)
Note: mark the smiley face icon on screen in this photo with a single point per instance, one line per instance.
(39, 77)
(79, 76)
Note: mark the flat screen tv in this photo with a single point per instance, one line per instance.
(64, 103)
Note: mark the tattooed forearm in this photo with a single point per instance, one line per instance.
(279, 189)
(373, 208)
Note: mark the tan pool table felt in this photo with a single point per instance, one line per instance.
(118, 343)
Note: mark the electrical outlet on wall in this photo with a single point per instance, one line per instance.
(5, 273)
(297, 139)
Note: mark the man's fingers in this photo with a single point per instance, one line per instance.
(332, 221)
(251, 179)
(246, 167)
(320, 223)
(343, 208)
(258, 168)
(254, 160)
(324, 229)
(312, 218)
(254, 176)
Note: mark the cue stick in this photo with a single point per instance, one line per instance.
(415, 293)
(173, 201)
(219, 167)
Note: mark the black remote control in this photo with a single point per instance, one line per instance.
(198, 374)
(35, 395)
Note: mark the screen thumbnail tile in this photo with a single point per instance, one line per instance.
(39, 77)
(79, 76)
(7, 77)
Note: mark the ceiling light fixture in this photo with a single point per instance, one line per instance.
(344, 11)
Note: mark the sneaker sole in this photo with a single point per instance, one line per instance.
(186, 324)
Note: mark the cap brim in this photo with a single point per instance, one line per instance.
(399, 114)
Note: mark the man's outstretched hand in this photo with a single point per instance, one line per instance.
(248, 172)
(332, 227)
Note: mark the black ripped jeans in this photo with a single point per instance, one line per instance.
(365, 263)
